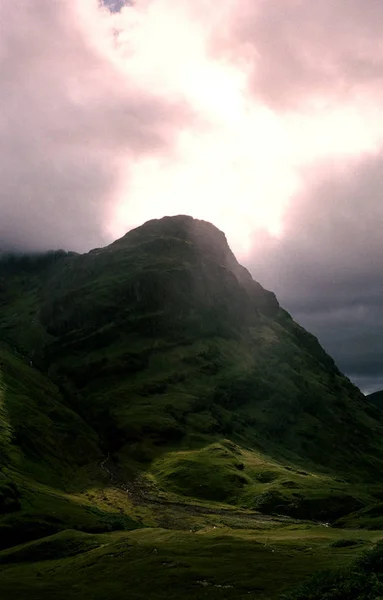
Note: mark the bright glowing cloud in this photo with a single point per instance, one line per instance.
(165, 107)
(239, 163)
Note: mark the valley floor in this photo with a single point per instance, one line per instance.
(175, 548)
(157, 563)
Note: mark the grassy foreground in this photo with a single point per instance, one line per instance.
(157, 563)
(94, 540)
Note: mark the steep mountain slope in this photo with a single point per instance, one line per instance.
(154, 382)
(163, 333)
(34, 421)
(376, 398)
(43, 443)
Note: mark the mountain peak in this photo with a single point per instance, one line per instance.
(183, 227)
(195, 243)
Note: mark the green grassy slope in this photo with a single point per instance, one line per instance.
(159, 563)
(223, 472)
(376, 398)
(362, 580)
(36, 426)
(43, 444)
(162, 338)
(153, 384)
(163, 334)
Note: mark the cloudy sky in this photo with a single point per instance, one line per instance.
(262, 116)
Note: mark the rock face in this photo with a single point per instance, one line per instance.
(164, 335)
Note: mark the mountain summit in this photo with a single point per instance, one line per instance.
(204, 240)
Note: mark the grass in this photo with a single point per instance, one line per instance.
(362, 580)
(193, 530)
(35, 424)
(225, 472)
(227, 429)
(44, 510)
(212, 563)
(61, 545)
(163, 334)
(370, 517)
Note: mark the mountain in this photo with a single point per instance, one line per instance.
(376, 398)
(154, 383)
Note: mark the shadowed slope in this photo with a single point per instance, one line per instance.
(376, 398)
(163, 335)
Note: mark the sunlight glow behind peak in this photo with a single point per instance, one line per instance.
(237, 162)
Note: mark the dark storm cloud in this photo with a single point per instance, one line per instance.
(327, 267)
(115, 5)
(69, 117)
(353, 335)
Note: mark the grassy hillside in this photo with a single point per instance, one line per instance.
(362, 580)
(376, 398)
(153, 385)
(163, 335)
(36, 425)
(43, 443)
